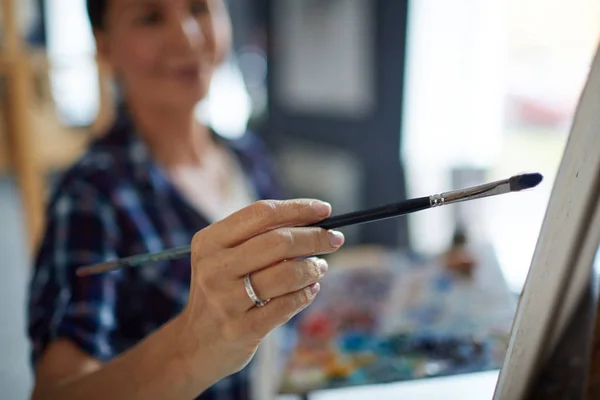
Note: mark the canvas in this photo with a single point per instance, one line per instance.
(563, 260)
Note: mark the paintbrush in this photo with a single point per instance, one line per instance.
(513, 184)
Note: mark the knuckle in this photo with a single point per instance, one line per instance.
(206, 281)
(265, 209)
(302, 209)
(301, 299)
(197, 238)
(314, 269)
(307, 271)
(198, 243)
(300, 272)
(209, 273)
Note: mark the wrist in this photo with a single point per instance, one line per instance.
(193, 352)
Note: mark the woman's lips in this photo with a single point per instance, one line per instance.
(186, 74)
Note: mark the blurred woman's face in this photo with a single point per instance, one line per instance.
(165, 51)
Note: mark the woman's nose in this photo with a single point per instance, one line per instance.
(187, 34)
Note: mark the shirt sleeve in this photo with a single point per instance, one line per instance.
(81, 230)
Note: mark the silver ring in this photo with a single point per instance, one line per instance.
(252, 294)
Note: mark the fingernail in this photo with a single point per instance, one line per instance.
(323, 266)
(336, 238)
(322, 208)
(315, 288)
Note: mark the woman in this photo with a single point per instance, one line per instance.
(158, 179)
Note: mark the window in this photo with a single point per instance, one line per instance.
(492, 86)
(71, 51)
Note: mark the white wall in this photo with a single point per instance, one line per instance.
(15, 376)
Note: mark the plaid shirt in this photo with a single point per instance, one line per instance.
(115, 202)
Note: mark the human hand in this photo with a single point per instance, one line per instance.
(266, 240)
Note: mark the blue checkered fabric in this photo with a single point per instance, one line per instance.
(116, 202)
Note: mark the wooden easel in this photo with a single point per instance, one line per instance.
(32, 150)
(15, 67)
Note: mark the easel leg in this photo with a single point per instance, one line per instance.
(19, 101)
(23, 150)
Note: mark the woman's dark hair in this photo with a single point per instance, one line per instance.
(96, 10)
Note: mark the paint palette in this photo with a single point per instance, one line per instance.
(401, 320)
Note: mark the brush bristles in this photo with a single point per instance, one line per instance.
(525, 181)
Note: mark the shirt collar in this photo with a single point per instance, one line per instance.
(126, 137)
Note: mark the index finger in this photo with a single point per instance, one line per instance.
(265, 215)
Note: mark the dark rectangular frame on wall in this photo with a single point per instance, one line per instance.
(375, 139)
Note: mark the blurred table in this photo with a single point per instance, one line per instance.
(391, 317)
(475, 386)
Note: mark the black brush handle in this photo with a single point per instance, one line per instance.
(375, 214)
(353, 218)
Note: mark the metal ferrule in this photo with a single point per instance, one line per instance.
(475, 192)
(436, 200)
